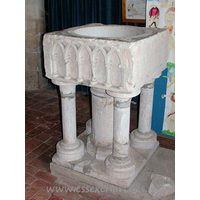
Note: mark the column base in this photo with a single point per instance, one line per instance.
(66, 153)
(143, 140)
(98, 152)
(120, 168)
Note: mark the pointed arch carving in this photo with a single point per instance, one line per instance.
(55, 57)
(68, 58)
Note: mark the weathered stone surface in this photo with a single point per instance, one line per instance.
(116, 62)
(161, 186)
(35, 28)
(30, 80)
(95, 168)
(111, 57)
(34, 9)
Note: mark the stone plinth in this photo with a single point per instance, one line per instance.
(162, 163)
(117, 62)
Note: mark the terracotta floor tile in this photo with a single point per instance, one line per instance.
(27, 138)
(93, 195)
(41, 195)
(52, 141)
(29, 157)
(53, 119)
(50, 109)
(86, 198)
(54, 100)
(30, 192)
(35, 113)
(43, 137)
(41, 128)
(46, 176)
(29, 102)
(42, 96)
(40, 149)
(68, 195)
(57, 134)
(51, 91)
(36, 120)
(38, 105)
(50, 151)
(49, 124)
(54, 197)
(31, 145)
(31, 170)
(30, 118)
(45, 158)
(36, 131)
(57, 127)
(29, 126)
(109, 198)
(30, 93)
(29, 179)
(39, 164)
(83, 118)
(42, 185)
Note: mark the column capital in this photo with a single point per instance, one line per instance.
(122, 95)
(61, 83)
(99, 92)
(67, 91)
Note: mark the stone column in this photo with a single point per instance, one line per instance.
(99, 143)
(144, 137)
(119, 164)
(70, 148)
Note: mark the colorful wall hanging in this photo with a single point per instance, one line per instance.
(161, 14)
(133, 11)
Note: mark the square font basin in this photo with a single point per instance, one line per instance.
(115, 57)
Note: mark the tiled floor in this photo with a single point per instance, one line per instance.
(43, 131)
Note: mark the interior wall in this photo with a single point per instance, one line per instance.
(35, 28)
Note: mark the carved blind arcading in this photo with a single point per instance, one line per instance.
(75, 56)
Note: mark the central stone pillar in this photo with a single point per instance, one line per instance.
(120, 164)
(99, 142)
(70, 148)
(144, 137)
